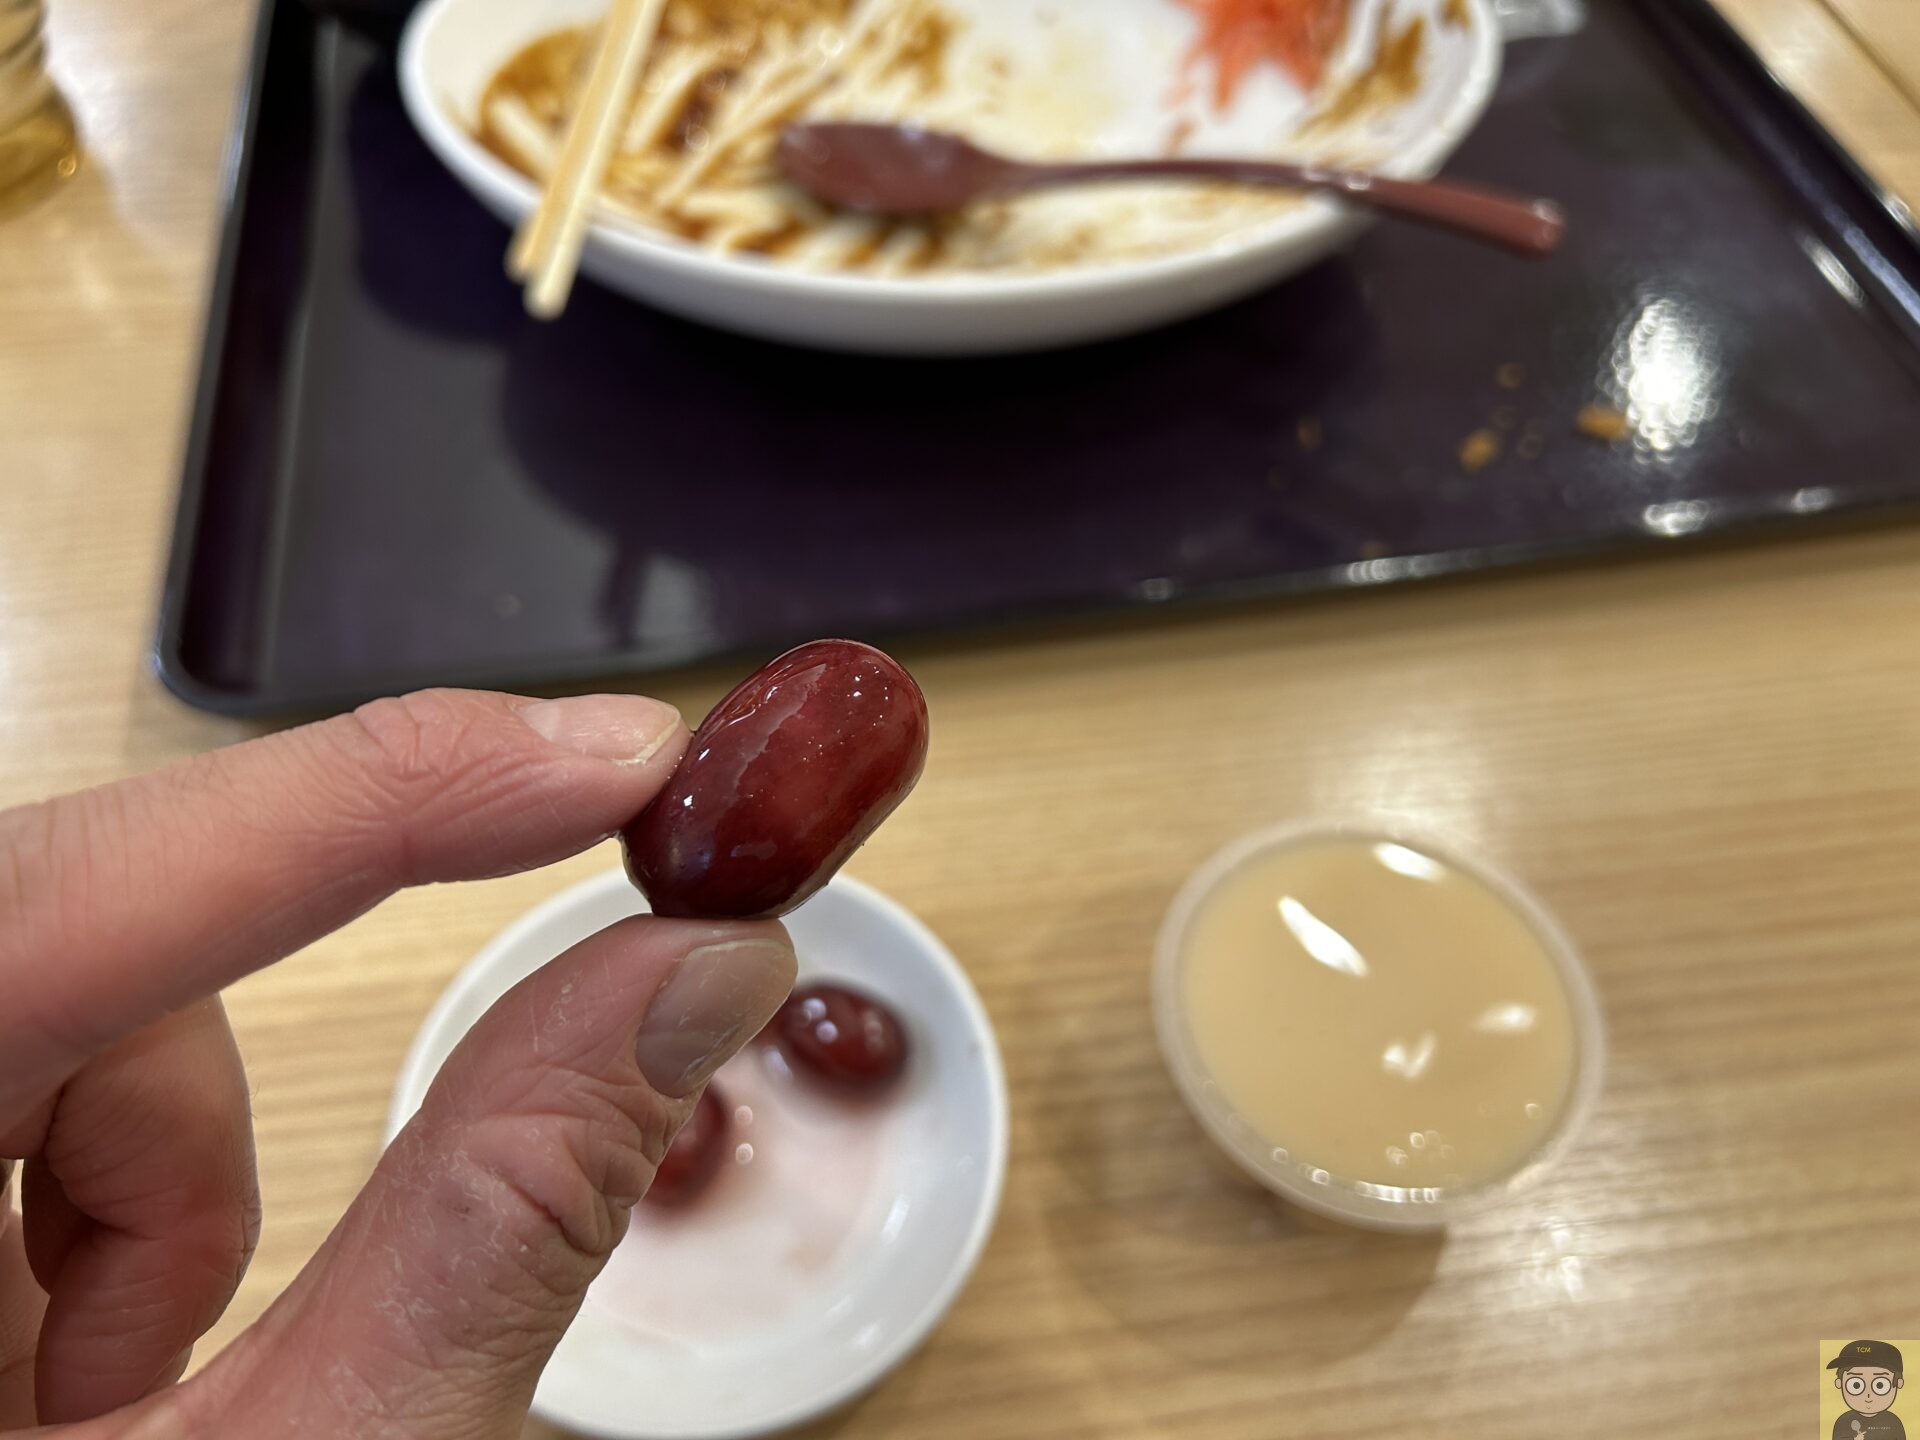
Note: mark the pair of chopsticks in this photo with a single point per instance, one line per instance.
(546, 249)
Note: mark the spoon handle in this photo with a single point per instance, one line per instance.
(1529, 227)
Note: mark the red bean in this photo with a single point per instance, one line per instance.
(785, 778)
(842, 1035)
(696, 1154)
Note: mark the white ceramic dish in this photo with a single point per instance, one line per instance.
(1292, 1180)
(1125, 61)
(695, 1332)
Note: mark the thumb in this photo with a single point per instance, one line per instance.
(433, 1307)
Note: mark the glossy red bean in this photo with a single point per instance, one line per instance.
(697, 1152)
(842, 1035)
(785, 778)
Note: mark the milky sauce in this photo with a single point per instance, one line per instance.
(805, 1187)
(1377, 1016)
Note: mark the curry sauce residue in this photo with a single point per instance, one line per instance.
(722, 78)
(923, 55)
(1391, 78)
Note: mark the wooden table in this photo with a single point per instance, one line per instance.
(1710, 766)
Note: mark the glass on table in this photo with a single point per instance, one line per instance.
(38, 145)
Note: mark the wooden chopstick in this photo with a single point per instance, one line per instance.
(546, 249)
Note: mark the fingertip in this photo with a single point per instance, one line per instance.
(472, 784)
(587, 1008)
(722, 993)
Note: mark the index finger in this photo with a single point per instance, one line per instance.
(120, 904)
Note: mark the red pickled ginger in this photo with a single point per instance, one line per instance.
(1237, 35)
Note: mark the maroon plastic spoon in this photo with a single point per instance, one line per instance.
(903, 170)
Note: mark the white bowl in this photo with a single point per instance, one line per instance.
(1132, 48)
(732, 1363)
(1367, 1206)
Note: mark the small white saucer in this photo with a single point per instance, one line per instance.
(724, 1320)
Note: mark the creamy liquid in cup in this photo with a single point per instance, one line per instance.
(1378, 1017)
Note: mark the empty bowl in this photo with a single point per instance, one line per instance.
(1032, 78)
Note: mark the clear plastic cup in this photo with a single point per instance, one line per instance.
(1296, 1178)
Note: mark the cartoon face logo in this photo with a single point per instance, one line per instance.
(1869, 1389)
(1867, 1374)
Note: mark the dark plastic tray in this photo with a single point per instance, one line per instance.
(395, 478)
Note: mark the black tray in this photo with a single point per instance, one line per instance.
(395, 478)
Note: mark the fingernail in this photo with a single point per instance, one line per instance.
(717, 998)
(627, 729)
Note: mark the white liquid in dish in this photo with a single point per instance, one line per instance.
(805, 1179)
(1378, 1016)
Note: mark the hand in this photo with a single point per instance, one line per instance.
(432, 1307)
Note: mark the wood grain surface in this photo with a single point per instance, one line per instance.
(1889, 31)
(1710, 766)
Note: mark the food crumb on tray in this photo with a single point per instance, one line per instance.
(1479, 450)
(1603, 422)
